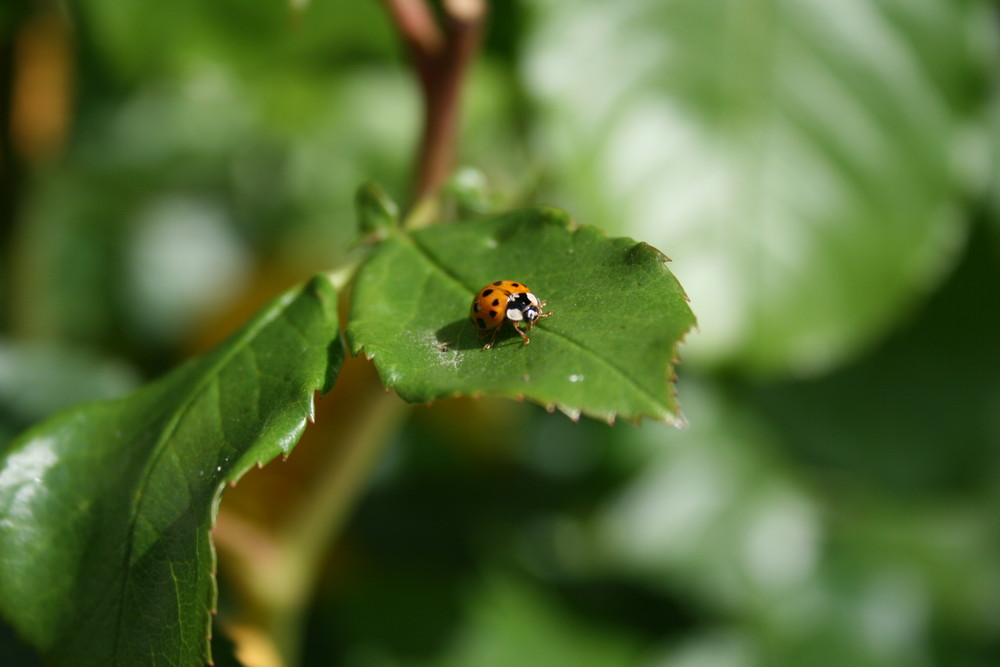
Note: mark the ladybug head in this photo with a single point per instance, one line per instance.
(522, 306)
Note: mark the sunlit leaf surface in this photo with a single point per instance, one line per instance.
(606, 351)
(105, 510)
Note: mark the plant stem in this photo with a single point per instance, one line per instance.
(273, 553)
(441, 59)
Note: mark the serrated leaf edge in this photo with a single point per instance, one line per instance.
(208, 377)
(558, 217)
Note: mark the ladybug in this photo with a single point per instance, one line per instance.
(504, 300)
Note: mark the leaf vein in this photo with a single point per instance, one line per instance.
(207, 375)
(442, 268)
(614, 367)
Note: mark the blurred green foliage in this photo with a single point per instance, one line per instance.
(819, 172)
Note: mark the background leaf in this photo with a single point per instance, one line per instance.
(107, 508)
(805, 163)
(607, 351)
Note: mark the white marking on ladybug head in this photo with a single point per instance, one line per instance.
(515, 314)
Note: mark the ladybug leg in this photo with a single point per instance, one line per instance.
(492, 339)
(523, 335)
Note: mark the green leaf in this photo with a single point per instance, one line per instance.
(510, 623)
(377, 212)
(805, 162)
(471, 190)
(607, 350)
(106, 509)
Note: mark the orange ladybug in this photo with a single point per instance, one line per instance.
(504, 300)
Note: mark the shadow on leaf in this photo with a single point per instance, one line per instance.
(463, 335)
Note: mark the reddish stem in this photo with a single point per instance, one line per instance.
(441, 60)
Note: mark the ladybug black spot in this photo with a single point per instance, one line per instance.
(496, 302)
(481, 323)
(487, 292)
(493, 314)
(498, 283)
(514, 285)
(476, 307)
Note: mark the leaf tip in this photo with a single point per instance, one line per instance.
(551, 214)
(642, 252)
(572, 413)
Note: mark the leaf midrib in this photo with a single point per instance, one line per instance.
(436, 264)
(208, 376)
(628, 378)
